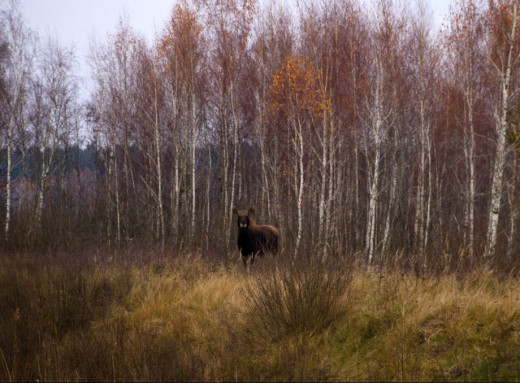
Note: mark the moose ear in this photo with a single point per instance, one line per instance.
(235, 210)
(251, 210)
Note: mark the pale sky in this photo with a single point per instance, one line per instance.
(78, 21)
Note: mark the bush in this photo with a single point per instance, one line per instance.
(302, 298)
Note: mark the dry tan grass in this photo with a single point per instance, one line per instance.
(163, 318)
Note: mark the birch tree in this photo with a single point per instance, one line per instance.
(274, 41)
(181, 47)
(423, 58)
(320, 27)
(373, 139)
(464, 45)
(55, 97)
(228, 27)
(149, 113)
(299, 102)
(376, 118)
(503, 20)
(19, 60)
(114, 71)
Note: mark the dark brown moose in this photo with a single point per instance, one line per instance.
(254, 239)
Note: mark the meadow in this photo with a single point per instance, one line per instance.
(138, 314)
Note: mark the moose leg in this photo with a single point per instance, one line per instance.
(248, 260)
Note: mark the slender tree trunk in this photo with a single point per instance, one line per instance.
(330, 189)
(391, 201)
(8, 176)
(470, 161)
(323, 185)
(45, 168)
(513, 210)
(356, 198)
(500, 152)
(421, 187)
(234, 166)
(276, 189)
(160, 212)
(371, 214)
(39, 206)
(108, 191)
(266, 202)
(125, 205)
(116, 190)
(177, 189)
(224, 158)
(429, 201)
(193, 164)
(265, 197)
(174, 201)
(208, 203)
(240, 179)
(299, 185)
(373, 179)
(118, 205)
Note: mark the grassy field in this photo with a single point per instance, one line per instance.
(148, 315)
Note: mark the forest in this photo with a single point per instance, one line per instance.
(385, 150)
(353, 130)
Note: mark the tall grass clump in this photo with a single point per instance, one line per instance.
(288, 314)
(299, 298)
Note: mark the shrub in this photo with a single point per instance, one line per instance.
(302, 298)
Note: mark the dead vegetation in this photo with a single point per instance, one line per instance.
(145, 315)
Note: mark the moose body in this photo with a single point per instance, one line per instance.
(254, 239)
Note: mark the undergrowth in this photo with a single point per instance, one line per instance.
(148, 315)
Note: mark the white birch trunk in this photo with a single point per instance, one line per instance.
(330, 196)
(174, 195)
(429, 201)
(8, 175)
(470, 200)
(371, 214)
(208, 204)
(224, 160)
(421, 190)
(472, 178)
(469, 151)
(300, 186)
(500, 152)
(513, 211)
(276, 189)
(390, 208)
(116, 185)
(234, 166)
(39, 206)
(375, 129)
(323, 187)
(16, 73)
(193, 163)
(266, 201)
(265, 196)
(116, 189)
(160, 213)
(177, 187)
(356, 194)
(108, 184)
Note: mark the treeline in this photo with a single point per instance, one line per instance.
(353, 128)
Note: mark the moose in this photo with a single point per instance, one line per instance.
(254, 239)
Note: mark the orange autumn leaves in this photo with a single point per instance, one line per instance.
(296, 93)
